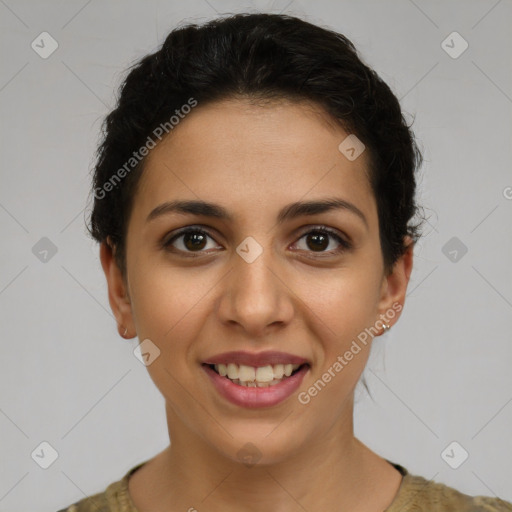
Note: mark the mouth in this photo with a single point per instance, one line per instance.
(256, 386)
(256, 376)
(254, 380)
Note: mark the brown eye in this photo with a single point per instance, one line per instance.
(322, 240)
(189, 241)
(193, 241)
(317, 241)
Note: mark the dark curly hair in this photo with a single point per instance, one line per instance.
(260, 57)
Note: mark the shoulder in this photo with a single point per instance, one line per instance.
(95, 503)
(419, 494)
(106, 501)
(115, 498)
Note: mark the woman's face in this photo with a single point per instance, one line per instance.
(259, 278)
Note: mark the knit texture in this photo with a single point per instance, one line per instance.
(416, 494)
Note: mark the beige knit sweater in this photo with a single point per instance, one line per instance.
(416, 494)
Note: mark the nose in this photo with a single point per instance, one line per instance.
(254, 297)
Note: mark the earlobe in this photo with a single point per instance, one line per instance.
(395, 285)
(117, 291)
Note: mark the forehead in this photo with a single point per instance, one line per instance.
(253, 157)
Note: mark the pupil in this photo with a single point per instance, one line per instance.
(320, 239)
(194, 241)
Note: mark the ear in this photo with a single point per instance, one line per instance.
(394, 286)
(117, 291)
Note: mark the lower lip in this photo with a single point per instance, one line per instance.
(256, 397)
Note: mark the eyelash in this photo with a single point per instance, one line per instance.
(344, 244)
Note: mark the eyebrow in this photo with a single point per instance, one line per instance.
(290, 211)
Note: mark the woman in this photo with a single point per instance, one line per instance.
(254, 202)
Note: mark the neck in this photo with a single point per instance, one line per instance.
(335, 472)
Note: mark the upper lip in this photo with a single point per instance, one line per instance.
(257, 359)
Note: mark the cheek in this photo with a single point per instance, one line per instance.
(345, 301)
(344, 306)
(164, 298)
(170, 308)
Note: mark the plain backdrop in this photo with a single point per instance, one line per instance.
(66, 377)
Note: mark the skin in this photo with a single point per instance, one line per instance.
(253, 160)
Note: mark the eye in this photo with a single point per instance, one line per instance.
(192, 240)
(320, 239)
(189, 240)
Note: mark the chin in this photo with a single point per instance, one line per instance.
(264, 446)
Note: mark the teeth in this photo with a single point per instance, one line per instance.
(264, 374)
(256, 384)
(278, 371)
(261, 377)
(232, 370)
(246, 373)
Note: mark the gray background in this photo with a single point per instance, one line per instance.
(67, 378)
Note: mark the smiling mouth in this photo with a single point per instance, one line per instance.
(256, 377)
